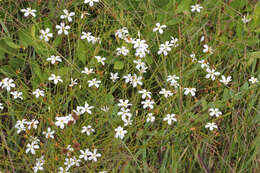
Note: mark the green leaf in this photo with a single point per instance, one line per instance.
(183, 6)
(119, 65)
(11, 44)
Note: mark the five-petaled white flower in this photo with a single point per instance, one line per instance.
(67, 15)
(7, 83)
(85, 154)
(124, 103)
(189, 90)
(48, 133)
(17, 94)
(246, 19)
(145, 94)
(120, 132)
(207, 49)
(62, 28)
(100, 59)
(214, 112)
(31, 147)
(88, 130)
(166, 93)
(211, 73)
(60, 121)
(169, 118)
(225, 80)
(165, 48)
(211, 126)
(159, 28)
(93, 155)
(253, 80)
(122, 51)
(90, 2)
(148, 103)
(46, 34)
(196, 7)
(55, 78)
(28, 11)
(53, 59)
(114, 76)
(86, 108)
(150, 118)
(94, 82)
(38, 93)
(1, 106)
(87, 71)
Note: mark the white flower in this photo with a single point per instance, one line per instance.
(32, 124)
(211, 73)
(88, 130)
(94, 82)
(62, 170)
(85, 154)
(1, 106)
(85, 108)
(53, 59)
(225, 80)
(124, 103)
(196, 7)
(45, 34)
(67, 15)
(193, 57)
(38, 93)
(28, 12)
(105, 108)
(17, 94)
(31, 147)
(128, 78)
(140, 65)
(159, 28)
(165, 48)
(7, 83)
(87, 36)
(93, 155)
(122, 51)
(136, 80)
(120, 132)
(20, 125)
(166, 93)
(122, 33)
(125, 113)
(87, 71)
(169, 118)
(253, 80)
(100, 59)
(127, 120)
(138, 43)
(190, 90)
(214, 112)
(90, 2)
(114, 76)
(55, 78)
(145, 94)
(148, 103)
(150, 118)
(60, 121)
(211, 126)
(48, 133)
(38, 166)
(203, 63)
(207, 49)
(62, 28)
(245, 19)
(73, 82)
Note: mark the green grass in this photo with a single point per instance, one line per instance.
(184, 146)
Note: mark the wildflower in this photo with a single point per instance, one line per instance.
(60, 121)
(120, 132)
(202, 38)
(124, 103)
(124, 112)
(69, 162)
(204, 64)
(207, 49)
(45, 34)
(245, 19)
(211, 126)
(55, 78)
(1, 106)
(53, 59)
(93, 155)
(148, 103)
(128, 78)
(211, 73)
(31, 147)
(87, 36)
(122, 33)
(67, 15)
(87, 71)
(140, 65)
(17, 94)
(225, 80)
(193, 57)
(62, 170)
(189, 90)
(145, 94)
(136, 80)
(105, 108)
(48, 133)
(100, 59)
(7, 83)
(76, 161)
(214, 112)
(38, 93)
(122, 51)
(38, 166)
(165, 48)
(62, 28)
(94, 82)
(159, 28)
(28, 12)
(114, 76)
(196, 7)
(84, 154)
(90, 2)
(20, 125)
(174, 41)
(150, 118)
(85, 108)
(253, 80)
(169, 118)
(88, 130)
(166, 93)
(127, 120)
(33, 124)
(73, 82)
